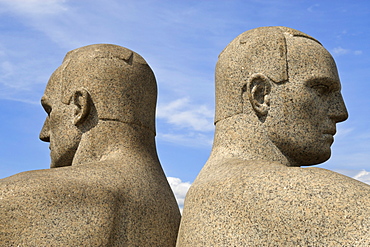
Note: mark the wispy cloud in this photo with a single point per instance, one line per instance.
(351, 147)
(25, 62)
(185, 124)
(312, 8)
(6, 69)
(53, 18)
(35, 8)
(180, 189)
(66, 25)
(188, 139)
(22, 79)
(363, 176)
(342, 132)
(182, 114)
(342, 51)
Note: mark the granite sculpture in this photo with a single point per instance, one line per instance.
(106, 186)
(278, 99)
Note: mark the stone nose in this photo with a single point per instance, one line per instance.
(44, 133)
(338, 111)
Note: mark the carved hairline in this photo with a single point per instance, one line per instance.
(284, 32)
(128, 57)
(243, 54)
(96, 52)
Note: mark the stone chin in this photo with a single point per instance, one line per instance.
(312, 157)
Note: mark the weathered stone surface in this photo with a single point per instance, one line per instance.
(277, 104)
(109, 188)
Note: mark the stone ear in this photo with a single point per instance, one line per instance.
(82, 103)
(257, 89)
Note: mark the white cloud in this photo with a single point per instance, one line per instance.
(180, 189)
(312, 8)
(21, 79)
(343, 132)
(184, 115)
(341, 51)
(351, 147)
(190, 139)
(6, 68)
(7, 84)
(363, 176)
(185, 124)
(52, 17)
(35, 8)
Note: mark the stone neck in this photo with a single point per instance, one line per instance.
(241, 137)
(115, 140)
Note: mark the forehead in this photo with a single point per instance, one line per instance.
(53, 88)
(308, 60)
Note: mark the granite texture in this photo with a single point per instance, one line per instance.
(257, 203)
(278, 101)
(106, 186)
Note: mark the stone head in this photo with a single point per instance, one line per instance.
(287, 82)
(96, 82)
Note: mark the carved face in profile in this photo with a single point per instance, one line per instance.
(303, 112)
(59, 128)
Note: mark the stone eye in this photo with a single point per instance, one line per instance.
(321, 89)
(47, 108)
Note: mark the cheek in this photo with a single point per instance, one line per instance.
(63, 133)
(297, 116)
(315, 113)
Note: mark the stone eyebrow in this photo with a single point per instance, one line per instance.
(45, 104)
(332, 83)
(44, 100)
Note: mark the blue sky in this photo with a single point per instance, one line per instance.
(181, 41)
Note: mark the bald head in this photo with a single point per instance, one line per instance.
(277, 97)
(261, 50)
(97, 85)
(120, 82)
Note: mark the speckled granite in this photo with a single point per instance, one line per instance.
(106, 186)
(277, 104)
(256, 203)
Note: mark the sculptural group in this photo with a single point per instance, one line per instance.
(278, 100)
